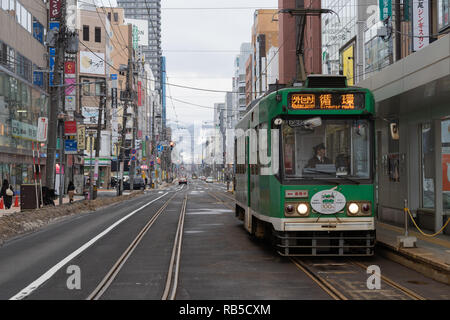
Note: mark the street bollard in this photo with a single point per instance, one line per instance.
(406, 241)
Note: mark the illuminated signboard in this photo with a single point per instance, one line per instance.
(327, 101)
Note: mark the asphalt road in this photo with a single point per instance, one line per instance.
(219, 260)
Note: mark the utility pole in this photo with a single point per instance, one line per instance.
(101, 108)
(133, 140)
(55, 98)
(124, 123)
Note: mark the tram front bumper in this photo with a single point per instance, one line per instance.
(327, 224)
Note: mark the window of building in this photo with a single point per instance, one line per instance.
(98, 34)
(116, 17)
(109, 16)
(85, 33)
(443, 12)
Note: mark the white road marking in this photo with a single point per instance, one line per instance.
(47, 275)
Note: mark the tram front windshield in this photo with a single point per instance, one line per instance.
(332, 148)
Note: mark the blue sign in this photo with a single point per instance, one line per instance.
(54, 25)
(38, 78)
(160, 148)
(133, 158)
(51, 77)
(70, 146)
(38, 31)
(52, 63)
(52, 52)
(114, 77)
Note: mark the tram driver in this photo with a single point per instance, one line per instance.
(319, 157)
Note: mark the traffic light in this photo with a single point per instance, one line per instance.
(172, 144)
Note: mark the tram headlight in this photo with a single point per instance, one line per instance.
(302, 208)
(353, 208)
(278, 121)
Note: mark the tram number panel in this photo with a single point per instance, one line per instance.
(327, 101)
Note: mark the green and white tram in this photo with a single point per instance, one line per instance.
(304, 161)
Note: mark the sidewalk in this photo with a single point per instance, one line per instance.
(5, 212)
(431, 257)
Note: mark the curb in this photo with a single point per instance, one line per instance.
(429, 268)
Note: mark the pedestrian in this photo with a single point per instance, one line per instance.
(71, 191)
(228, 181)
(7, 192)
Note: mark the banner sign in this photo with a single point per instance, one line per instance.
(69, 67)
(70, 103)
(92, 63)
(81, 137)
(421, 27)
(55, 9)
(42, 131)
(70, 146)
(385, 9)
(114, 98)
(139, 93)
(70, 128)
(70, 86)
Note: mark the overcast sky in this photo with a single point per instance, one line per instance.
(186, 32)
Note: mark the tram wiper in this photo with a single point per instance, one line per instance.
(333, 173)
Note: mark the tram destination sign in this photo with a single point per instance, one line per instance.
(327, 101)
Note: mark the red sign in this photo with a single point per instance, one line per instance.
(139, 93)
(69, 67)
(445, 172)
(70, 128)
(55, 9)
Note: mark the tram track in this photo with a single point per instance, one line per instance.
(351, 277)
(109, 278)
(326, 285)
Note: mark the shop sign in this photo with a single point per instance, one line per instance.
(81, 137)
(42, 131)
(70, 103)
(23, 130)
(328, 202)
(70, 128)
(385, 9)
(70, 146)
(421, 28)
(55, 9)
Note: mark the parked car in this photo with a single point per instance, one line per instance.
(182, 181)
(203, 178)
(209, 180)
(138, 184)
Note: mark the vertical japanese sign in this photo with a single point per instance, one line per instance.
(55, 9)
(81, 137)
(385, 9)
(420, 24)
(139, 93)
(348, 66)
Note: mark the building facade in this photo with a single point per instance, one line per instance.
(148, 10)
(23, 87)
(288, 60)
(264, 36)
(239, 81)
(402, 54)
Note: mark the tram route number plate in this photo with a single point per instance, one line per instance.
(296, 194)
